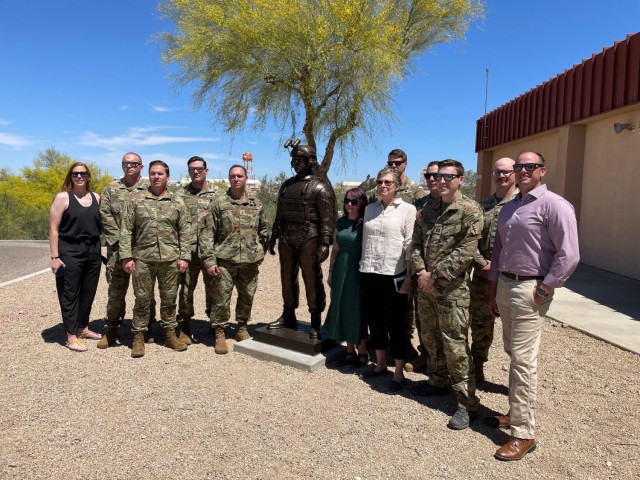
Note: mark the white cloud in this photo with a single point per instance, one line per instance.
(15, 141)
(158, 108)
(4, 123)
(137, 137)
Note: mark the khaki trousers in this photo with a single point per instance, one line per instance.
(522, 323)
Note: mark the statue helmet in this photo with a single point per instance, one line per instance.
(305, 151)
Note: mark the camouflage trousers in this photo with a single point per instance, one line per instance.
(188, 284)
(482, 322)
(118, 281)
(444, 327)
(244, 276)
(144, 278)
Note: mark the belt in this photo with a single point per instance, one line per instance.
(520, 278)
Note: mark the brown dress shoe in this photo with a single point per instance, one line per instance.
(499, 421)
(515, 449)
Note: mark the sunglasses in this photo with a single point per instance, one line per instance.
(429, 176)
(447, 176)
(529, 167)
(506, 173)
(385, 182)
(351, 201)
(80, 174)
(131, 164)
(396, 163)
(196, 169)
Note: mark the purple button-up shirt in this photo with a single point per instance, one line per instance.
(537, 236)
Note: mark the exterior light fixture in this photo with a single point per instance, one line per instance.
(621, 127)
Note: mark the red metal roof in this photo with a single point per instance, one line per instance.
(606, 81)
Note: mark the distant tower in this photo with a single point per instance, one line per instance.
(247, 160)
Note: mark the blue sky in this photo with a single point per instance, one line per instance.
(84, 77)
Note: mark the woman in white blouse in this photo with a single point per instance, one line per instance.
(386, 249)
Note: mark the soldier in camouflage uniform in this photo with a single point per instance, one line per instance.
(111, 207)
(155, 244)
(197, 196)
(482, 322)
(413, 194)
(240, 240)
(409, 191)
(420, 363)
(445, 242)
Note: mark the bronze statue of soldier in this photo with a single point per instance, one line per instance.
(304, 227)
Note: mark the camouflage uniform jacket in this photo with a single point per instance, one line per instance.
(199, 205)
(445, 239)
(240, 231)
(409, 191)
(155, 228)
(112, 204)
(491, 206)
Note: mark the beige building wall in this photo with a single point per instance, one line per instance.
(610, 213)
(598, 171)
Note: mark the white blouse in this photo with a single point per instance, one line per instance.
(386, 242)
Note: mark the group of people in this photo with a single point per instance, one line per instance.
(399, 256)
(459, 264)
(154, 236)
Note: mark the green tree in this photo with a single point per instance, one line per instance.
(331, 65)
(268, 195)
(468, 187)
(25, 199)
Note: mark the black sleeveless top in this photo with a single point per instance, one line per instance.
(80, 224)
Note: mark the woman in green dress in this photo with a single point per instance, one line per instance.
(344, 322)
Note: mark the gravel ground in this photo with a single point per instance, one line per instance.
(197, 415)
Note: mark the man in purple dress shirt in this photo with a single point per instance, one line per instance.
(535, 251)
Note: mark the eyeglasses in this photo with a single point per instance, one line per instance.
(506, 173)
(447, 176)
(196, 169)
(529, 167)
(385, 182)
(351, 201)
(80, 174)
(396, 163)
(131, 164)
(429, 176)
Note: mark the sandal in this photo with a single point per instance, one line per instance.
(346, 360)
(76, 346)
(360, 360)
(89, 335)
(372, 372)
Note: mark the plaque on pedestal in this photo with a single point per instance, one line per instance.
(296, 340)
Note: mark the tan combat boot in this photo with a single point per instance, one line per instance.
(221, 343)
(172, 342)
(417, 365)
(109, 338)
(138, 345)
(185, 332)
(241, 331)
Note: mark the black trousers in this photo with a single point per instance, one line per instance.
(385, 311)
(78, 283)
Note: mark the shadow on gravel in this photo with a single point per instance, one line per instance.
(490, 387)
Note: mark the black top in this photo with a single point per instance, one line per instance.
(80, 224)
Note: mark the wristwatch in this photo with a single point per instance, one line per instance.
(434, 275)
(541, 291)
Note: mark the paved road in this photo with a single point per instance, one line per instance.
(22, 258)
